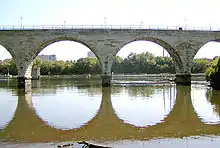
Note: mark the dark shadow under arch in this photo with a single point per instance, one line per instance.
(173, 53)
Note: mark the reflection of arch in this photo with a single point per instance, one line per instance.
(70, 112)
(26, 122)
(182, 115)
(213, 98)
(173, 53)
(147, 107)
(182, 121)
(209, 99)
(8, 105)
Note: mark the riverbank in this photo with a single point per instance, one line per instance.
(189, 142)
(124, 78)
(163, 76)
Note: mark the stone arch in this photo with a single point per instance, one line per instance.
(8, 48)
(65, 38)
(173, 53)
(198, 49)
(202, 44)
(10, 51)
(46, 43)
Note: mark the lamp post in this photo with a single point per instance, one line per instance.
(163, 52)
(185, 22)
(8, 71)
(8, 66)
(105, 21)
(21, 22)
(142, 24)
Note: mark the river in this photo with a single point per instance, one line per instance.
(58, 111)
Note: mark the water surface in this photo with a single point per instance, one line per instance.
(66, 110)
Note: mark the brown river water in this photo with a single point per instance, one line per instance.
(124, 115)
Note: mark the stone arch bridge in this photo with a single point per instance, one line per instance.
(182, 45)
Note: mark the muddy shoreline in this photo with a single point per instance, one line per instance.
(186, 142)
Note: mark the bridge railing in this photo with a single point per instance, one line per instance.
(84, 27)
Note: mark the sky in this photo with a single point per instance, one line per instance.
(187, 13)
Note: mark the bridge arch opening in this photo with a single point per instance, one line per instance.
(203, 57)
(8, 100)
(66, 56)
(146, 55)
(7, 64)
(204, 99)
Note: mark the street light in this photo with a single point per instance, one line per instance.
(21, 22)
(105, 22)
(185, 22)
(142, 24)
(163, 52)
(8, 70)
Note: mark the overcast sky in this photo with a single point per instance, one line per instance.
(198, 13)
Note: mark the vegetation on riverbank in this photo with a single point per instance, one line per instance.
(132, 64)
(213, 73)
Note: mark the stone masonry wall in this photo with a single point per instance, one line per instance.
(24, 45)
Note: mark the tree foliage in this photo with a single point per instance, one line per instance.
(133, 63)
(213, 73)
(81, 66)
(200, 65)
(37, 63)
(8, 67)
(143, 63)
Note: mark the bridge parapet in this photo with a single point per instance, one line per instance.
(91, 27)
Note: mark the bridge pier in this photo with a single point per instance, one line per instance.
(24, 82)
(106, 81)
(183, 79)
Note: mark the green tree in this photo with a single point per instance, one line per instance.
(37, 62)
(116, 66)
(46, 67)
(200, 65)
(213, 73)
(12, 67)
(87, 66)
(69, 67)
(143, 63)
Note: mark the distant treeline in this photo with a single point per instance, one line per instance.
(133, 63)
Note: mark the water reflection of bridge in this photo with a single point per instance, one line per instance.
(181, 121)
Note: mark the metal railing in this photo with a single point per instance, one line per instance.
(109, 27)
